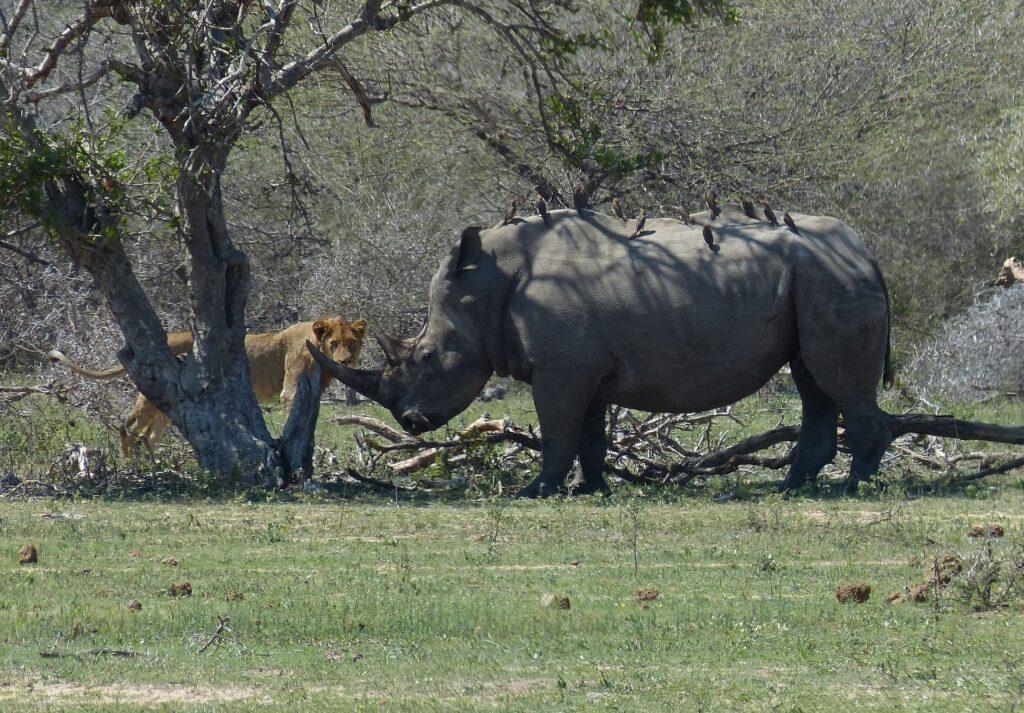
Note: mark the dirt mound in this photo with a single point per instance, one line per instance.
(857, 593)
(28, 554)
(646, 595)
(986, 531)
(942, 571)
(134, 605)
(181, 589)
(555, 601)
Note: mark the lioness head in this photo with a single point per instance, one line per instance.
(340, 339)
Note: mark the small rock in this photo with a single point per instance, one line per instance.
(858, 593)
(646, 595)
(134, 605)
(181, 589)
(918, 593)
(169, 561)
(555, 601)
(28, 554)
(894, 598)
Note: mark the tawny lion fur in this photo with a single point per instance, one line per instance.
(275, 362)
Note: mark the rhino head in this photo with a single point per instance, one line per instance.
(433, 377)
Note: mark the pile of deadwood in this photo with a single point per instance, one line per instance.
(652, 448)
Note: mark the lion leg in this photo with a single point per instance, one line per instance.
(144, 425)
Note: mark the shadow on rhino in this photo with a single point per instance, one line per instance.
(590, 318)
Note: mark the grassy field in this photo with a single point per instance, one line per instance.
(418, 605)
(443, 601)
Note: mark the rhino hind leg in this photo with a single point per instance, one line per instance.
(817, 443)
(592, 449)
(869, 437)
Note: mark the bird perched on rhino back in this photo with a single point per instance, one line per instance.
(617, 209)
(542, 209)
(790, 223)
(640, 223)
(769, 215)
(711, 200)
(579, 199)
(709, 237)
(510, 214)
(748, 209)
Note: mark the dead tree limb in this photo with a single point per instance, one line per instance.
(639, 444)
(296, 443)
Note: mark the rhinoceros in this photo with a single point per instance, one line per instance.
(660, 323)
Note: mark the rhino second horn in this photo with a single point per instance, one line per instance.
(392, 348)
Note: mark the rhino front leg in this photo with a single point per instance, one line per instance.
(593, 447)
(561, 401)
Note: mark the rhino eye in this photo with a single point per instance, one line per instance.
(427, 355)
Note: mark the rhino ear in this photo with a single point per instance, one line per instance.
(469, 249)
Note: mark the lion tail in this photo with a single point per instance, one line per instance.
(105, 375)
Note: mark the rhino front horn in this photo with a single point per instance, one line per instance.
(367, 382)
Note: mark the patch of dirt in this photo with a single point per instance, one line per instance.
(169, 561)
(28, 554)
(135, 553)
(234, 595)
(894, 598)
(134, 605)
(142, 695)
(181, 589)
(646, 595)
(855, 593)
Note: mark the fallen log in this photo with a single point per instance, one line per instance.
(949, 427)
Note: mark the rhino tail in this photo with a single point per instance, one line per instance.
(888, 374)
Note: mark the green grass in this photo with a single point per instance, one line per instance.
(374, 605)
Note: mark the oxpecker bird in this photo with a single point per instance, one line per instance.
(684, 215)
(769, 215)
(711, 200)
(748, 208)
(790, 223)
(579, 200)
(617, 209)
(510, 214)
(709, 237)
(639, 224)
(542, 209)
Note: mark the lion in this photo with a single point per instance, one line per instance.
(276, 360)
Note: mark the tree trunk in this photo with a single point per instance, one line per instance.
(217, 411)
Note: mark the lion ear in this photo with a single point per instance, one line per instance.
(319, 328)
(359, 328)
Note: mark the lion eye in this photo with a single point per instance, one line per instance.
(334, 344)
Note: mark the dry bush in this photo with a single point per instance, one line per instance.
(977, 354)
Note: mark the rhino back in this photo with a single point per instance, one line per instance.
(667, 323)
